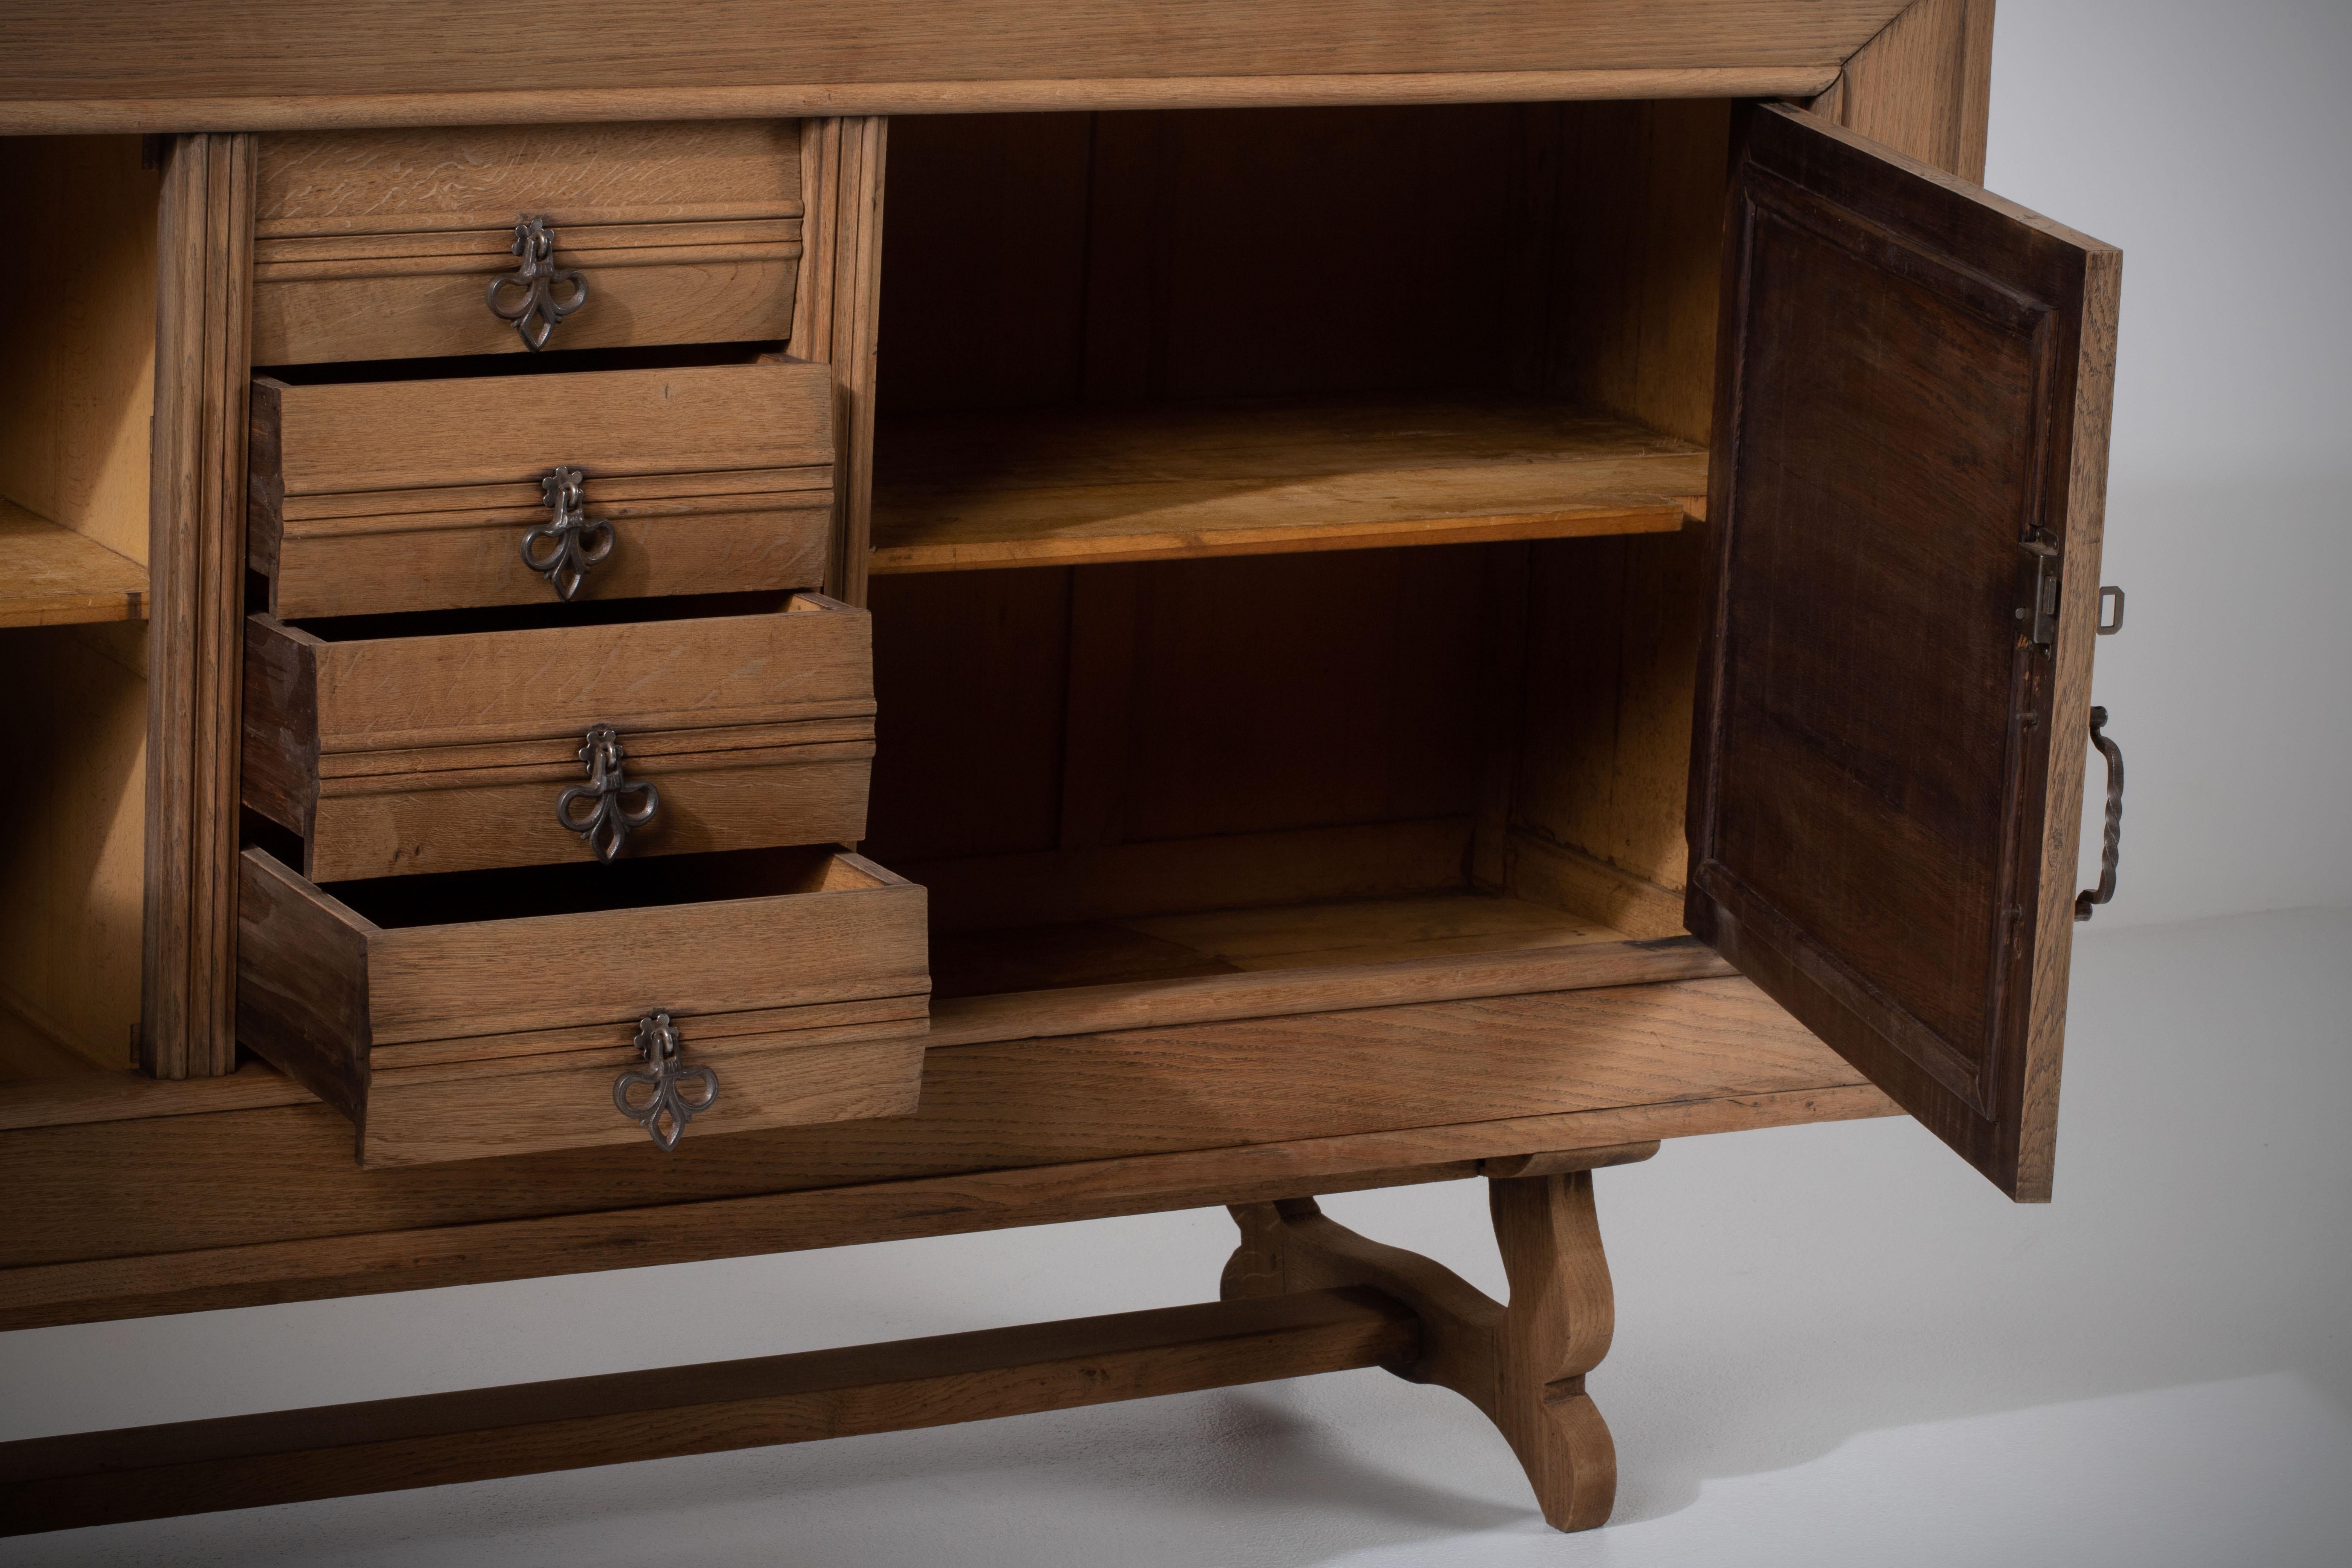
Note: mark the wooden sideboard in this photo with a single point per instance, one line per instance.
(1352, 598)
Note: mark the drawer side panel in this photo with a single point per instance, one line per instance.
(301, 982)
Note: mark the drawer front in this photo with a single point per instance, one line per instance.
(402, 754)
(496, 1009)
(382, 244)
(783, 783)
(524, 1105)
(373, 497)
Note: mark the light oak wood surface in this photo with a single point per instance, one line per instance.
(197, 1467)
(53, 576)
(324, 990)
(375, 245)
(1120, 1123)
(113, 69)
(375, 497)
(1254, 479)
(809, 659)
(1523, 1364)
(77, 278)
(195, 563)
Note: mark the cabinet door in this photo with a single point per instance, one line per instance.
(1890, 741)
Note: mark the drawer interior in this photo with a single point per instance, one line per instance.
(466, 898)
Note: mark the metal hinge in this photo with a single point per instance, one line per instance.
(2037, 590)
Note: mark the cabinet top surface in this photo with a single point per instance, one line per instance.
(194, 65)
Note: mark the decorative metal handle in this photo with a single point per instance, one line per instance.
(609, 821)
(666, 1109)
(535, 310)
(2110, 847)
(562, 551)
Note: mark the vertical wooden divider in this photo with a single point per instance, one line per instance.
(835, 314)
(195, 570)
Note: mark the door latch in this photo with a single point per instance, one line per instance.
(2037, 590)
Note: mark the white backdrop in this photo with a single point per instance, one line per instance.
(1836, 1344)
(2213, 142)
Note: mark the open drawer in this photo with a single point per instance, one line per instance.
(485, 1014)
(371, 497)
(392, 746)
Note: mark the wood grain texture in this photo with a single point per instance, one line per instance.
(324, 989)
(52, 576)
(1923, 85)
(1174, 1111)
(194, 1281)
(673, 545)
(347, 438)
(1556, 1328)
(1290, 1247)
(78, 334)
(1208, 998)
(1924, 938)
(1547, 873)
(843, 163)
(1340, 934)
(72, 878)
(1557, 1162)
(1185, 875)
(437, 182)
(540, 683)
(1265, 477)
(195, 562)
(375, 497)
(746, 797)
(284, 64)
(1522, 1365)
(521, 1105)
(379, 244)
(194, 1467)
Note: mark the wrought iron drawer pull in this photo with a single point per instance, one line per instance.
(563, 550)
(2111, 844)
(608, 821)
(665, 1108)
(533, 308)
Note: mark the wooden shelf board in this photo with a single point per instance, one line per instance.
(969, 492)
(1236, 941)
(52, 576)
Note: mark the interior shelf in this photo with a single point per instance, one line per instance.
(1355, 931)
(956, 492)
(53, 576)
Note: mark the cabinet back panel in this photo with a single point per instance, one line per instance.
(1064, 710)
(1568, 249)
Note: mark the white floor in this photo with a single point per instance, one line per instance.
(1835, 1345)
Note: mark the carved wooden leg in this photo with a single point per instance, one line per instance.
(1523, 1364)
(1557, 1329)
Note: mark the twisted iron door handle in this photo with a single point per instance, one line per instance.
(535, 310)
(2111, 845)
(609, 820)
(563, 550)
(665, 1108)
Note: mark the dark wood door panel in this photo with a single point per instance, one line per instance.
(1887, 766)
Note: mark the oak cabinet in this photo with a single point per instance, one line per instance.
(1209, 641)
